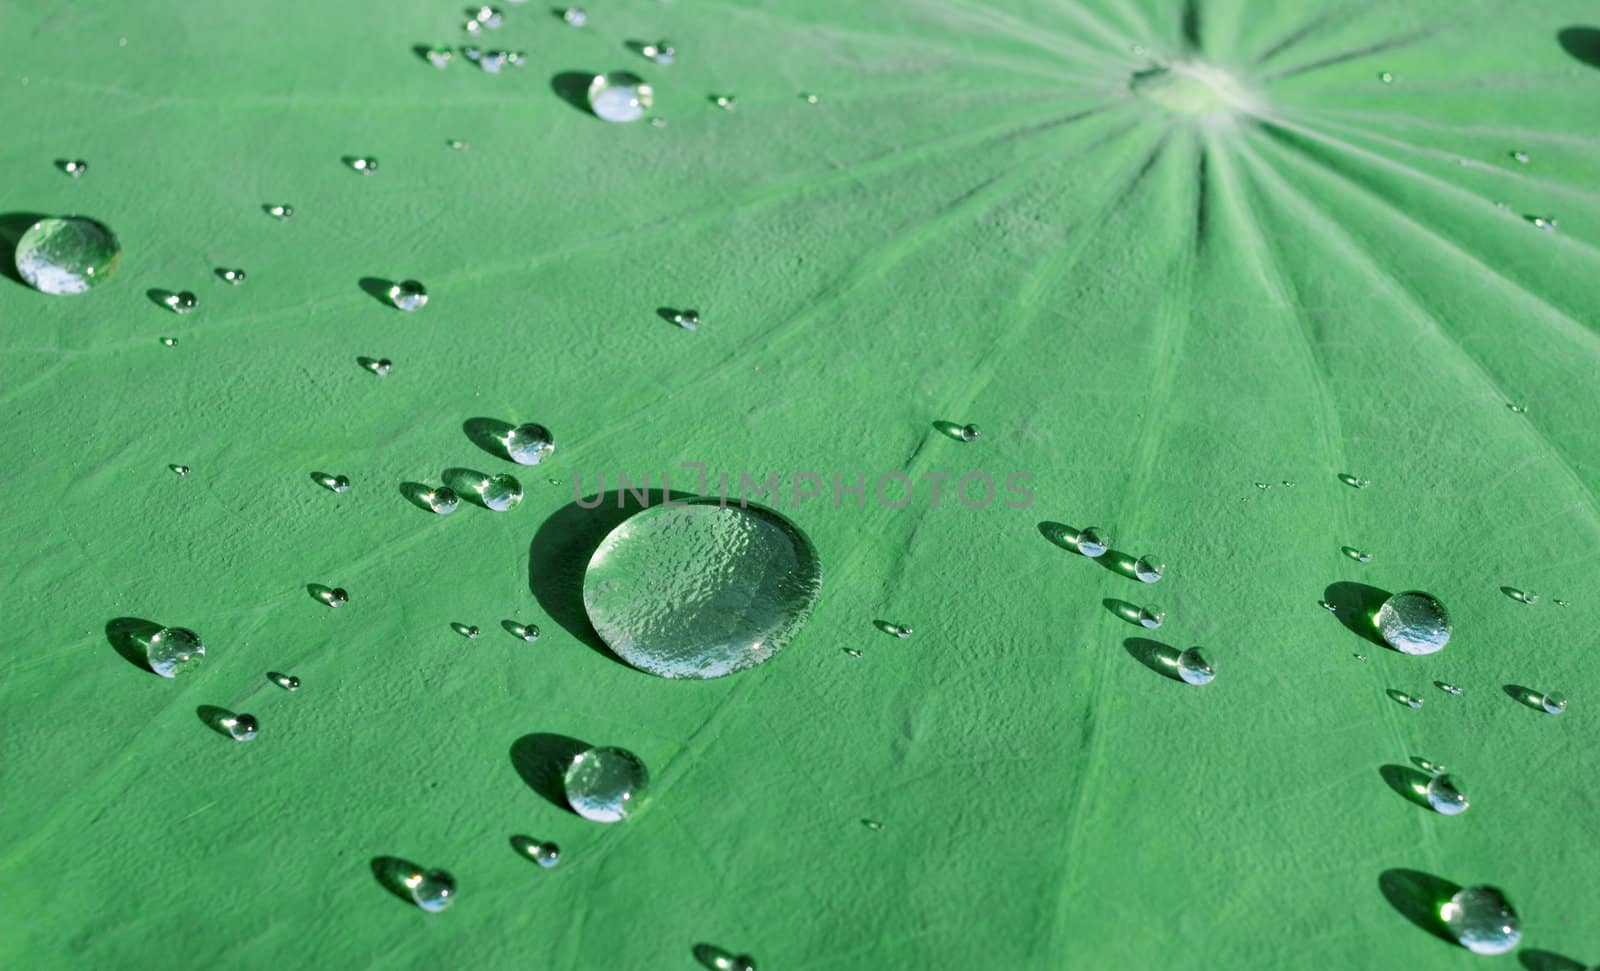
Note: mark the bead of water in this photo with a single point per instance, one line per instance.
(432, 890)
(242, 728)
(1193, 667)
(1093, 542)
(1147, 569)
(408, 295)
(442, 500)
(969, 433)
(180, 303)
(1553, 702)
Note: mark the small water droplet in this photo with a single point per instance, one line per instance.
(1449, 689)
(1445, 795)
(1413, 622)
(472, 26)
(1482, 920)
(493, 61)
(1409, 700)
(546, 855)
(733, 962)
(172, 651)
(875, 825)
(472, 54)
(1093, 542)
(1517, 409)
(279, 210)
(528, 632)
(74, 167)
(442, 500)
(234, 277)
(335, 483)
(969, 433)
(1361, 657)
(1360, 556)
(1151, 616)
(620, 96)
(67, 255)
(180, 469)
(1263, 486)
(408, 295)
(381, 367)
(687, 319)
(1553, 702)
(1432, 768)
(809, 99)
(1385, 77)
(169, 342)
(575, 16)
(469, 631)
(529, 443)
(336, 597)
(901, 631)
(1353, 481)
(180, 303)
(724, 101)
(1330, 608)
(517, 58)
(1147, 569)
(489, 17)
(1520, 156)
(1546, 223)
(432, 890)
(658, 122)
(1523, 596)
(440, 57)
(287, 682)
(366, 165)
(1561, 603)
(1193, 667)
(661, 52)
(1287, 484)
(605, 784)
(852, 652)
(501, 492)
(458, 144)
(242, 728)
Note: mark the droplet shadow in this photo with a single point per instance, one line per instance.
(1127, 611)
(948, 429)
(215, 719)
(1408, 782)
(422, 50)
(670, 315)
(1397, 696)
(369, 363)
(12, 226)
(573, 88)
(321, 593)
(1538, 960)
(526, 847)
(162, 298)
(1061, 535)
(130, 637)
(1583, 43)
(489, 434)
(1515, 594)
(465, 630)
(1119, 563)
(325, 480)
(1356, 607)
(1418, 897)
(1526, 696)
(559, 556)
(417, 494)
(541, 759)
(892, 630)
(378, 289)
(222, 273)
(1158, 657)
(467, 483)
(64, 165)
(713, 958)
(514, 629)
(391, 872)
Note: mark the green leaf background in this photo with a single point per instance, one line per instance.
(979, 221)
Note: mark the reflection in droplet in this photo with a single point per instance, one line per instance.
(1410, 701)
(1413, 622)
(1553, 702)
(1093, 542)
(852, 652)
(335, 483)
(334, 597)
(1522, 596)
(180, 303)
(1482, 920)
(241, 728)
(969, 433)
(701, 590)
(620, 96)
(1432, 768)
(528, 632)
(546, 855)
(381, 367)
(530, 443)
(169, 342)
(433, 890)
(1445, 795)
(1193, 667)
(604, 784)
(489, 18)
(1546, 223)
(172, 651)
(408, 295)
(67, 255)
(1330, 608)
(501, 492)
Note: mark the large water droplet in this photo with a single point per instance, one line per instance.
(500, 492)
(701, 590)
(604, 784)
(1148, 569)
(1413, 622)
(241, 728)
(1482, 920)
(969, 433)
(172, 651)
(1093, 542)
(529, 444)
(1445, 795)
(1553, 702)
(433, 890)
(408, 295)
(1194, 668)
(620, 96)
(67, 255)
(1150, 616)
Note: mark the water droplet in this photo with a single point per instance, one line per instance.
(366, 165)
(723, 101)
(442, 500)
(433, 890)
(1151, 616)
(500, 492)
(517, 58)
(279, 210)
(661, 52)
(1553, 702)
(852, 652)
(809, 99)
(338, 483)
(440, 57)
(1450, 689)
(1432, 768)
(169, 342)
(493, 61)
(336, 597)
(875, 825)
(74, 167)
(528, 632)
(381, 367)
(1546, 223)
(1520, 156)
(1482, 920)
(1413, 622)
(489, 18)
(67, 255)
(1410, 701)
(469, 631)
(287, 682)
(1330, 608)
(900, 630)
(1353, 481)
(1517, 409)
(408, 295)
(1523, 596)
(234, 277)
(701, 590)
(1093, 542)
(687, 319)
(472, 54)
(1561, 603)
(1287, 484)
(620, 96)
(1360, 556)
(180, 303)
(1147, 569)
(180, 469)
(1361, 657)
(458, 144)
(658, 122)
(605, 784)
(575, 16)
(1263, 486)
(171, 651)
(472, 26)
(1193, 667)
(529, 444)
(1385, 77)
(546, 855)
(1445, 795)
(969, 433)
(242, 728)
(724, 961)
